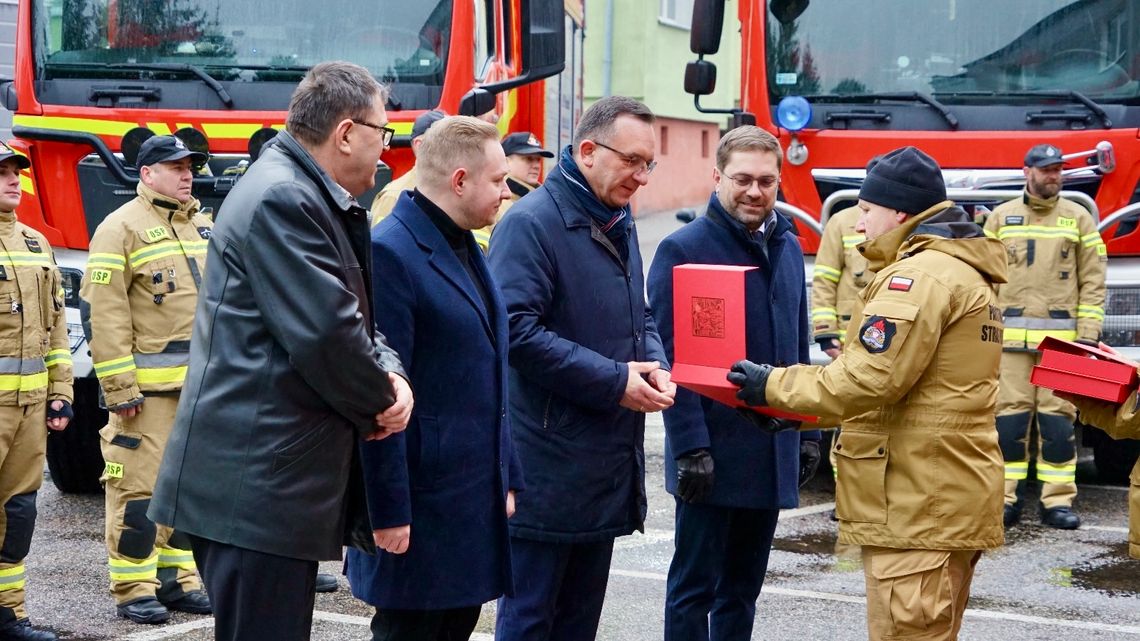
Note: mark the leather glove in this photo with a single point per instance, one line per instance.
(768, 424)
(695, 476)
(809, 460)
(750, 378)
(63, 412)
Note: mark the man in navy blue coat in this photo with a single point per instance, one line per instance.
(729, 477)
(586, 364)
(439, 494)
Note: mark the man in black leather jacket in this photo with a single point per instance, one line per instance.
(286, 369)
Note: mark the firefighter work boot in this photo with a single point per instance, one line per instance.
(194, 602)
(326, 583)
(22, 630)
(1011, 515)
(144, 610)
(1061, 518)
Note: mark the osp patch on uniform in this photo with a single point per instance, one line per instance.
(101, 276)
(1015, 220)
(112, 470)
(900, 284)
(876, 334)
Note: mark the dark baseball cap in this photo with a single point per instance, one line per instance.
(524, 143)
(1043, 155)
(158, 149)
(6, 152)
(424, 122)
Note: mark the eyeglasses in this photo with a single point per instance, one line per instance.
(385, 132)
(636, 163)
(744, 181)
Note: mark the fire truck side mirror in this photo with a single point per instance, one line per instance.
(786, 11)
(708, 20)
(476, 102)
(543, 38)
(8, 92)
(700, 78)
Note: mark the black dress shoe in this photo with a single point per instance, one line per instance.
(1061, 518)
(194, 602)
(144, 610)
(1011, 515)
(22, 630)
(326, 583)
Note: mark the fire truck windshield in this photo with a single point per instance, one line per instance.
(403, 43)
(957, 50)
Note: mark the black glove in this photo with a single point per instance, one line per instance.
(695, 476)
(1088, 341)
(768, 424)
(63, 412)
(809, 460)
(751, 379)
(828, 342)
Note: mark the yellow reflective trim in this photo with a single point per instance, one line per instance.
(15, 570)
(27, 184)
(990, 233)
(159, 128)
(1091, 236)
(150, 375)
(22, 258)
(175, 558)
(852, 239)
(824, 312)
(828, 273)
(234, 130)
(96, 126)
(23, 382)
(1017, 471)
(1090, 311)
(57, 357)
(1031, 337)
(115, 366)
(1037, 231)
(1065, 473)
(112, 470)
(123, 570)
(163, 249)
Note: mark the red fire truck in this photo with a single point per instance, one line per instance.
(975, 83)
(95, 78)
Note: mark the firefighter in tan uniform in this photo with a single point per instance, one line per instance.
(1119, 422)
(35, 388)
(1056, 288)
(920, 470)
(385, 200)
(145, 265)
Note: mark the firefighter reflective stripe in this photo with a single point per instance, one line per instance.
(23, 375)
(166, 367)
(1040, 323)
(125, 570)
(1090, 311)
(824, 314)
(57, 357)
(990, 233)
(115, 366)
(175, 558)
(1032, 337)
(482, 238)
(824, 271)
(166, 249)
(1092, 240)
(1016, 471)
(116, 262)
(25, 259)
(12, 578)
(1048, 473)
(1041, 232)
(851, 240)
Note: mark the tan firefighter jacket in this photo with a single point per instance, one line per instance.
(1056, 271)
(35, 355)
(915, 386)
(145, 265)
(840, 273)
(1118, 422)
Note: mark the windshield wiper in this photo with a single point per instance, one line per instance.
(910, 96)
(194, 70)
(1074, 96)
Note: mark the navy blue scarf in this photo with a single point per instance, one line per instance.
(614, 223)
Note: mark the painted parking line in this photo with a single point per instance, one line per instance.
(1106, 528)
(970, 612)
(170, 631)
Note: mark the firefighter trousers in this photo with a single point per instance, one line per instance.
(144, 559)
(1019, 402)
(917, 594)
(23, 443)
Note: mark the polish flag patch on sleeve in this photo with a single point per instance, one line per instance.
(900, 284)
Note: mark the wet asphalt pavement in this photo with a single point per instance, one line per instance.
(1044, 584)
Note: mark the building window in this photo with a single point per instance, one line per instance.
(704, 143)
(664, 140)
(676, 13)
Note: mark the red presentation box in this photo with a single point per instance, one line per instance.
(1084, 371)
(709, 332)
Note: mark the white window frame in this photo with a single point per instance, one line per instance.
(676, 13)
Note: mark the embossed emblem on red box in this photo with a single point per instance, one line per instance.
(708, 317)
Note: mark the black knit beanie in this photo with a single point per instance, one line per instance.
(906, 180)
